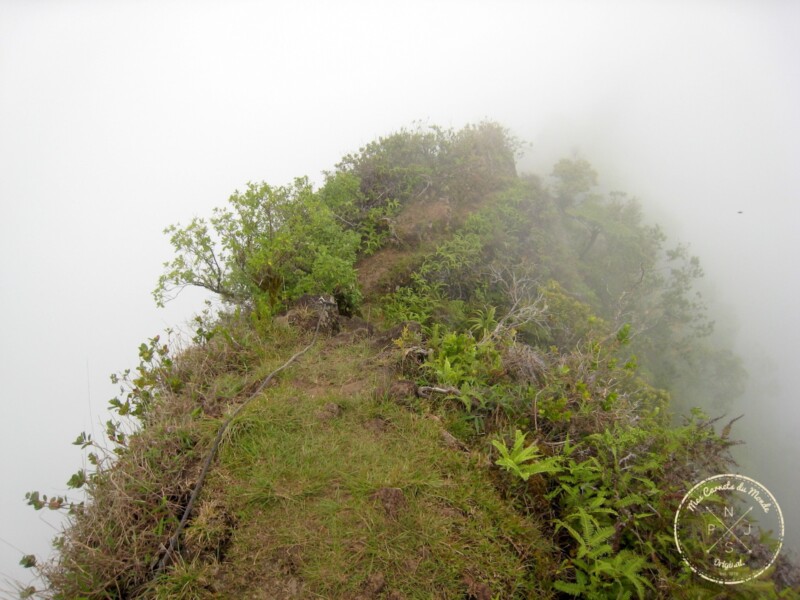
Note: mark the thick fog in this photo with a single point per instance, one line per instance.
(117, 119)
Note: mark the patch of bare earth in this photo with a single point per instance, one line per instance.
(374, 270)
(377, 425)
(420, 222)
(421, 218)
(393, 501)
(270, 573)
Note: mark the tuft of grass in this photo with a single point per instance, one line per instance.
(185, 581)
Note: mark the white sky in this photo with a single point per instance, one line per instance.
(119, 118)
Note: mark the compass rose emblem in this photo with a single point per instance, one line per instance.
(729, 529)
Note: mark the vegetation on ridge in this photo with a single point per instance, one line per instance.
(511, 436)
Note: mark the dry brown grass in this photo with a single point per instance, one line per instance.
(524, 363)
(133, 503)
(139, 490)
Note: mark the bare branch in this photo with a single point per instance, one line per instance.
(528, 305)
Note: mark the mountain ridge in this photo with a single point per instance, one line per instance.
(482, 416)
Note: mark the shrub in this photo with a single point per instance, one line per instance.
(269, 245)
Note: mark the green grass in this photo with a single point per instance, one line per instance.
(302, 488)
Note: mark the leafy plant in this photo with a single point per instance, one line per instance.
(376, 228)
(416, 302)
(484, 321)
(458, 360)
(524, 461)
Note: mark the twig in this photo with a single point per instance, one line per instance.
(536, 411)
(345, 221)
(726, 431)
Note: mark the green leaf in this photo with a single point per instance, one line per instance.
(35, 500)
(77, 480)
(601, 535)
(568, 587)
(28, 561)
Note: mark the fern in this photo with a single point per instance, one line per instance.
(569, 587)
(518, 459)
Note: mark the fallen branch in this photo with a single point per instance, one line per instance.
(426, 390)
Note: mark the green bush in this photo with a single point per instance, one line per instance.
(269, 245)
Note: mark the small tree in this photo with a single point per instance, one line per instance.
(573, 176)
(269, 245)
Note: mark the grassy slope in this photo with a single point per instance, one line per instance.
(333, 491)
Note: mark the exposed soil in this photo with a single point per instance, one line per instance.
(477, 590)
(392, 499)
(402, 390)
(374, 271)
(420, 222)
(329, 411)
(422, 218)
(377, 425)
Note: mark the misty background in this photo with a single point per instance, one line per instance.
(117, 119)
